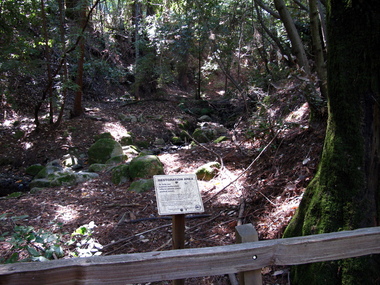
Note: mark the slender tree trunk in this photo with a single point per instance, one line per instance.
(285, 51)
(137, 17)
(314, 99)
(318, 47)
(321, 13)
(297, 45)
(345, 194)
(65, 71)
(48, 62)
(78, 108)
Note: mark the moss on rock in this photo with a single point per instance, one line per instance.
(142, 185)
(120, 174)
(34, 169)
(103, 149)
(145, 167)
(207, 171)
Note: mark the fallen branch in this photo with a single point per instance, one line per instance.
(209, 150)
(244, 171)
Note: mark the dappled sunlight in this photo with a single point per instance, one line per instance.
(66, 213)
(116, 129)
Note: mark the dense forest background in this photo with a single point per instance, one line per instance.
(258, 70)
(58, 52)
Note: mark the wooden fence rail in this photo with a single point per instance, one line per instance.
(197, 262)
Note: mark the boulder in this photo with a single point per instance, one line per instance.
(202, 136)
(120, 174)
(65, 177)
(128, 118)
(176, 140)
(208, 132)
(34, 169)
(117, 159)
(207, 171)
(145, 167)
(127, 139)
(205, 118)
(103, 149)
(106, 135)
(49, 169)
(97, 167)
(142, 185)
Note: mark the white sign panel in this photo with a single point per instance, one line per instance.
(178, 194)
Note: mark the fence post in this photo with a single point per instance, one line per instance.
(178, 238)
(247, 233)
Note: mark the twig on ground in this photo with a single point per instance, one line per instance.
(266, 198)
(209, 150)
(205, 222)
(163, 245)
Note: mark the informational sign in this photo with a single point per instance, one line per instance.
(177, 194)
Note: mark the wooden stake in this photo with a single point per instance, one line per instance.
(247, 233)
(178, 238)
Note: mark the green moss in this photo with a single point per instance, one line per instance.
(127, 139)
(208, 171)
(64, 179)
(18, 134)
(200, 136)
(120, 174)
(14, 195)
(142, 185)
(142, 144)
(106, 135)
(117, 159)
(104, 149)
(220, 139)
(176, 140)
(34, 169)
(97, 167)
(145, 167)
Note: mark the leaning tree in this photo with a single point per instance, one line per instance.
(345, 193)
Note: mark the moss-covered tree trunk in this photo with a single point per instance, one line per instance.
(345, 194)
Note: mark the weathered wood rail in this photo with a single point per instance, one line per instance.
(185, 263)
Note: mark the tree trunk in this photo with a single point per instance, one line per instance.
(293, 35)
(65, 75)
(48, 60)
(137, 19)
(345, 194)
(78, 108)
(318, 47)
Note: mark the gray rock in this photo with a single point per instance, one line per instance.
(103, 149)
(145, 167)
(142, 185)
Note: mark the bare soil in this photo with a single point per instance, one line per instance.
(266, 195)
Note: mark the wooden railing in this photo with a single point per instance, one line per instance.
(185, 263)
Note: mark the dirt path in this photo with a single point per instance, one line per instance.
(267, 195)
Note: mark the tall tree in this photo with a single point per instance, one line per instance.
(294, 37)
(316, 34)
(345, 193)
(82, 22)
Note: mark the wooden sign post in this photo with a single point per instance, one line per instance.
(178, 195)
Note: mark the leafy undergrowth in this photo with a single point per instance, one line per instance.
(266, 167)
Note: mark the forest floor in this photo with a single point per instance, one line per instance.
(266, 195)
